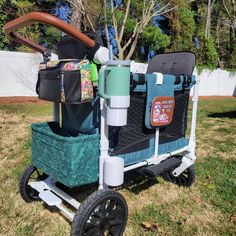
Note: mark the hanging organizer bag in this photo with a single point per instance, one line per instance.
(160, 101)
(65, 81)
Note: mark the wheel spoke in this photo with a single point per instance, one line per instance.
(113, 214)
(91, 224)
(93, 232)
(32, 192)
(37, 171)
(98, 214)
(102, 207)
(34, 178)
(110, 206)
(115, 222)
(183, 179)
(114, 231)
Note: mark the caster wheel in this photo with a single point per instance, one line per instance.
(30, 174)
(104, 212)
(185, 179)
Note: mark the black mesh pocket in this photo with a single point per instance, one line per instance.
(134, 136)
(178, 126)
(72, 86)
(49, 85)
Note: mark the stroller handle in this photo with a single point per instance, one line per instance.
(33, 17)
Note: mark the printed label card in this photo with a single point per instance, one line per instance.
(162, 111)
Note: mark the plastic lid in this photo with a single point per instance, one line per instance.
(118, 63)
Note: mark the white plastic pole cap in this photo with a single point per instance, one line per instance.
(101, 56)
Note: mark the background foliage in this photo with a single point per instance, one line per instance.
(183, 28)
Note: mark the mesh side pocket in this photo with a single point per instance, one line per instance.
(178, 126)
(50, 85)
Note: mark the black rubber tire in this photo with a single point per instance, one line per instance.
(95, 209)
(185, 179)
(27, 193)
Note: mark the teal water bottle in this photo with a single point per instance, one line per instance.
(114, 86)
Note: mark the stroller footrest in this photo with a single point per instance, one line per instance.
(50, 198)
(162, 167)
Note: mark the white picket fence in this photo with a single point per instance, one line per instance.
(18, 76)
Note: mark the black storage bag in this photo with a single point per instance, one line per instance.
(49, 85)
(51, 82)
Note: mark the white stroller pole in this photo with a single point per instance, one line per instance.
(192, 139)
(189, 158)
(104, 143)
(156, 142)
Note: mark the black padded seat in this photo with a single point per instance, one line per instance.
(175, 63)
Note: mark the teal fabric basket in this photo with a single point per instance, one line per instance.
(73, 161)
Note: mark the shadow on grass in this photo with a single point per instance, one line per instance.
(136, 182)
(229, 114)
(133, 182)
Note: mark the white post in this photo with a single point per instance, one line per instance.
(156, 143)
(192, 138)
(189, 158)
(104, 143)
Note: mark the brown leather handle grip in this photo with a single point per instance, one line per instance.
(33, 17)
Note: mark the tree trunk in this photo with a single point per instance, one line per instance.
(76, 15)
(208, 20)
(218, 41)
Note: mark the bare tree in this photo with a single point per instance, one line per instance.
(76, 14)
(85, 11)
(82, 12)
(127, 48)
(95, 14)
(208, 19)
(230, 10)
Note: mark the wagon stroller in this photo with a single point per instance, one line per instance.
(130, 122)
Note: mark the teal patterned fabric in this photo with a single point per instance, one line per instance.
(72, 161)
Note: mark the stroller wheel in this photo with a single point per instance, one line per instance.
(185, 179)
(30, 174)
(104, 212)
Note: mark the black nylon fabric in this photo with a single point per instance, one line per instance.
(79, 118)
(135, 136)
(69, 48)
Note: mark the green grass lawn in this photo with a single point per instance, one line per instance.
(207, 208)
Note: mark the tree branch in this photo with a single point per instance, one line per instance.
(105, 26)
(115, 26)
(124, 20)
(227, 10)
(133, 46)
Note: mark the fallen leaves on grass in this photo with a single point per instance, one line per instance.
(233, 219)
(149, 226)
